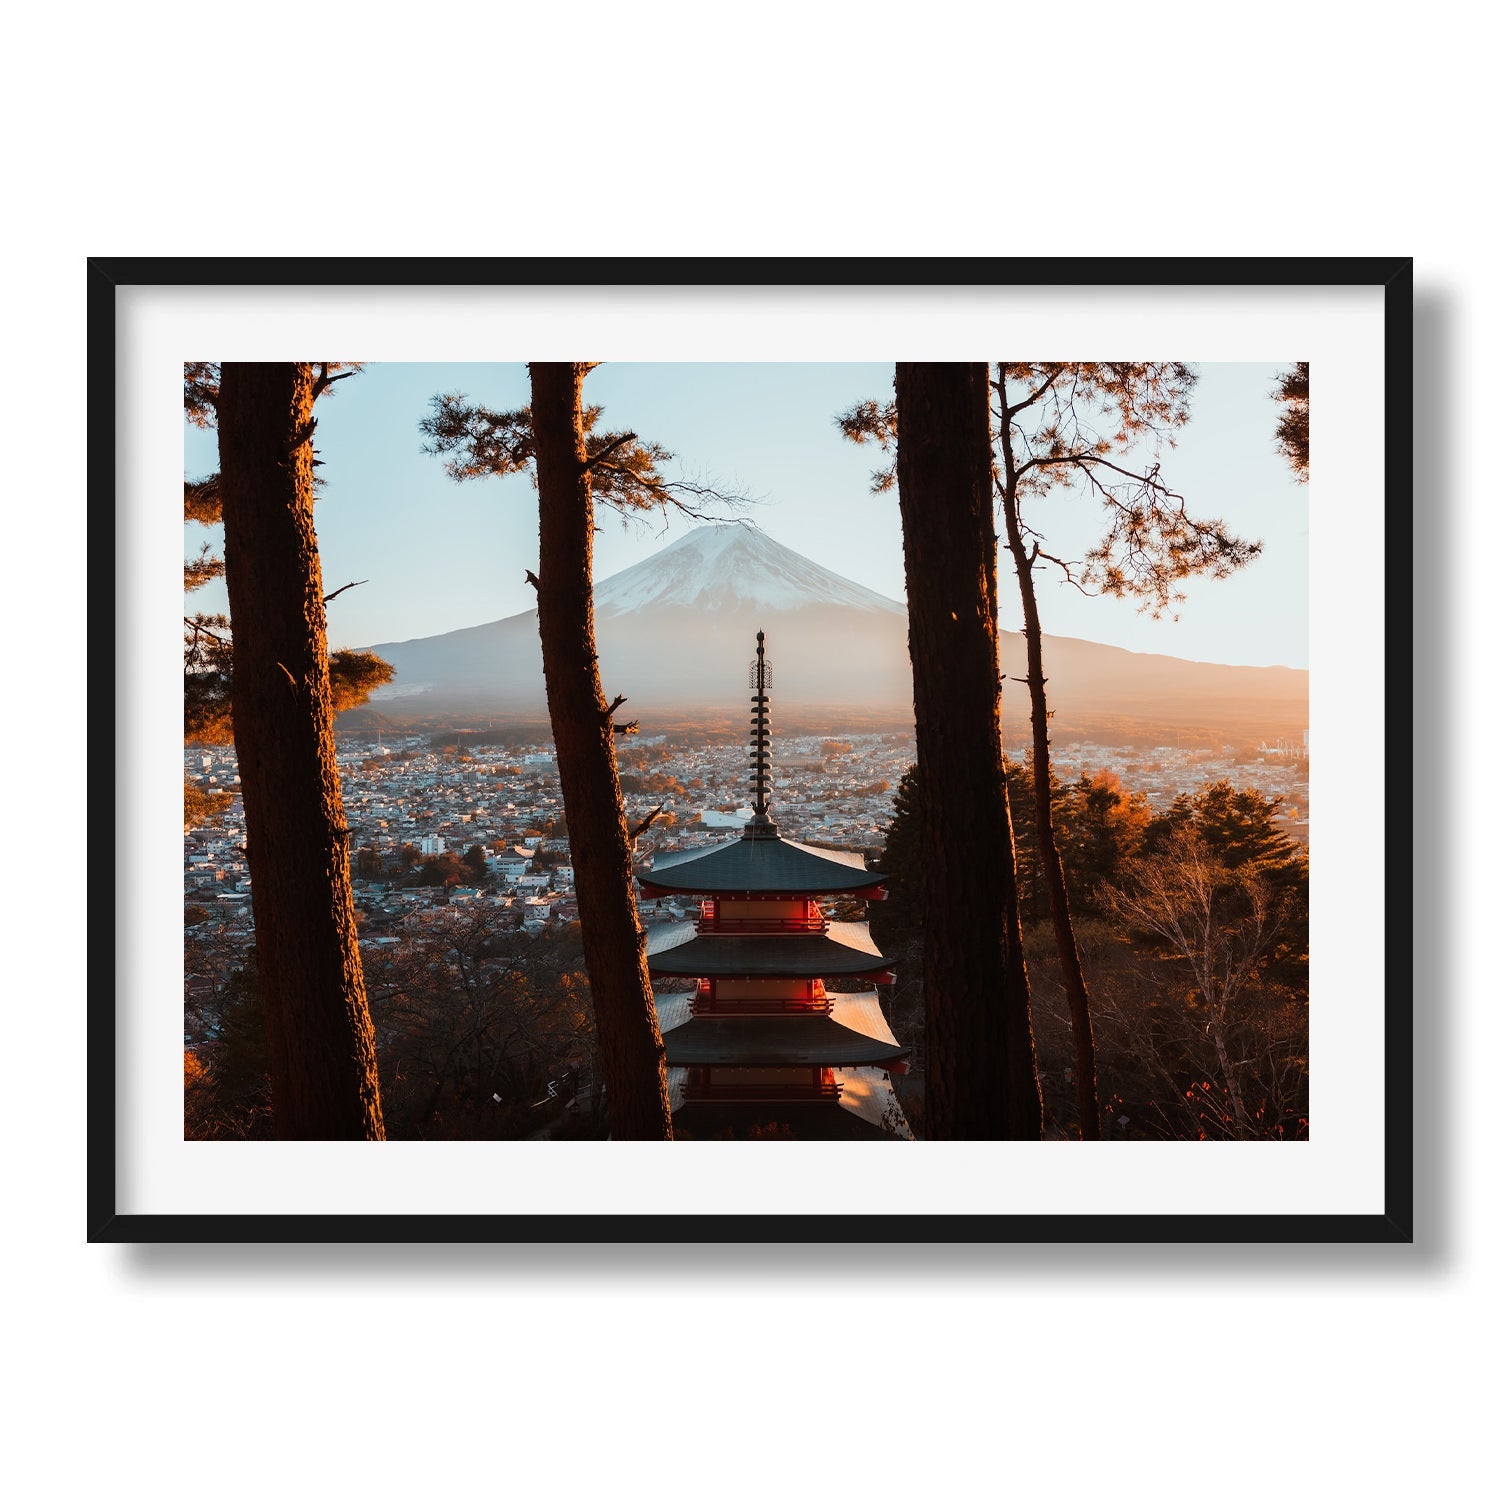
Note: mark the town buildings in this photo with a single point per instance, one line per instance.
(407, 790)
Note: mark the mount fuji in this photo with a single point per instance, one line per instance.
(676, 634)
(728, 567)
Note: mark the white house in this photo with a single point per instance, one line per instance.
(713, 818)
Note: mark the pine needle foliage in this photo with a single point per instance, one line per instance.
(1293, 391)
(201, 805)
(208, 648)
(576, 467)
(1083, 426)
(625, 471)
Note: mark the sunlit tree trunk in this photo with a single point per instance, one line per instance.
(614, 944)
(324, 1084)
(981, 1065)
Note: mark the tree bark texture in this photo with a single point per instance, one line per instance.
(981, 1061)
(324, 1084)
(1085, 1068)
(614, 943)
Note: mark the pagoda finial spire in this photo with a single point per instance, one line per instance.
(760, 825)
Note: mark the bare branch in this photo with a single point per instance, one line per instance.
(1006, 409)
(1067, 570)
(329, 598)
(326, 378)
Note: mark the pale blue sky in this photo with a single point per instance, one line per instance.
(441, 556)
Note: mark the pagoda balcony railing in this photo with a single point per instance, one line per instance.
(709, 920)
(704, 1003)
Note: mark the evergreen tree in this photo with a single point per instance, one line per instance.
(1064, 424)
(898, 919)
(1294, 391)
(574, 467)
(321, 1044)
(474, 862)
(981, 1065)
(208, 650)
(1238, 828)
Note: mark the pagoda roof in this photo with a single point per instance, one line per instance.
(773, 866)
(867, 1093)
(680, 950)
(825, 1120)
(866, 1108)
(855, 1034)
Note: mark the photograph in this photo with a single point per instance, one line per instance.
(552, 771)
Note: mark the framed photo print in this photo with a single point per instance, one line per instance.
(712, 749)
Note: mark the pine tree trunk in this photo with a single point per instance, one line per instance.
(1085, 1068)
(324, 1084)
(614, 945)
(981, 1062)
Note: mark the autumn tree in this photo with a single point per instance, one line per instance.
(202, 804)
(1293, 391)
(576, 467)
(475, 1020)
(1100, 828)
(321, 1044)
(981, 1065)
(1240, 828)
(1220, 922)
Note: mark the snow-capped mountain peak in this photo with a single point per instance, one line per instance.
(729, 565)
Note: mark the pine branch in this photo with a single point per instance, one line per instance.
(646, 822)
(604, 452)
(200, 629)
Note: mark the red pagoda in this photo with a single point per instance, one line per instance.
(762, 1041)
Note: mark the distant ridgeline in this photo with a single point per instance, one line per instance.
(671, 635)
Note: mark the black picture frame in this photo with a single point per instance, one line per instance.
(106, 277)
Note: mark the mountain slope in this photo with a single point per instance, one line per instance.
(677, 631)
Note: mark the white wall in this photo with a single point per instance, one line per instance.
(1121, 1371)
